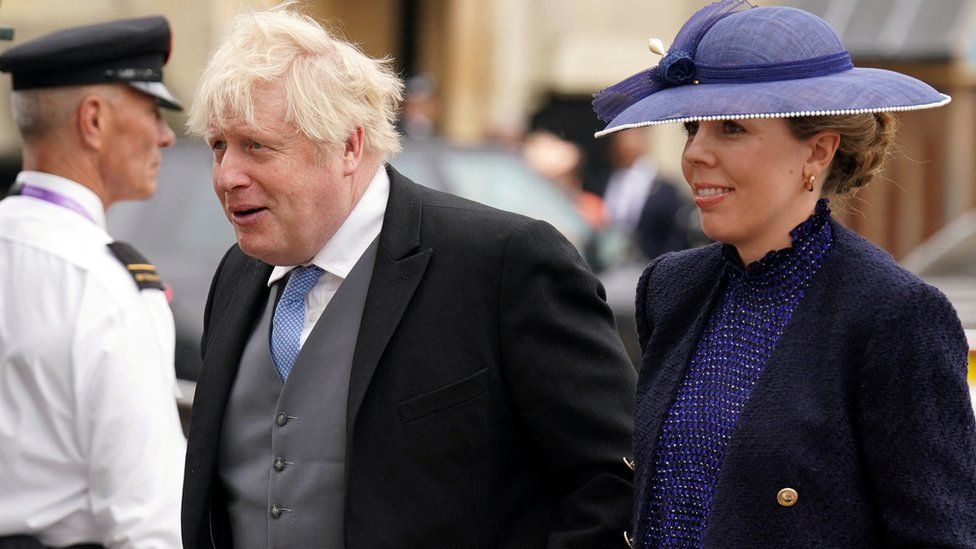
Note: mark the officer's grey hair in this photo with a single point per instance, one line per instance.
(40, 112)
(331, 86)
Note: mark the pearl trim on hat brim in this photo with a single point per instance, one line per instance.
(945, 101)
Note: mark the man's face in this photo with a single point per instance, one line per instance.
(133, 151)
(284, 195)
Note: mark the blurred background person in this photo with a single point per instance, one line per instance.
(640, 201)
(798, 387)
(91, 449)
(561, 161)
(418, 112)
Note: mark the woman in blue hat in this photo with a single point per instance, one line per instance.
(798, 387)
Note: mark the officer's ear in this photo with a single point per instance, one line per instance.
(93, 111)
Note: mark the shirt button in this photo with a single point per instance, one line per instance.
(279, 464)
(281, 418)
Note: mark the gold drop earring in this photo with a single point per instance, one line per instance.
(808, 185)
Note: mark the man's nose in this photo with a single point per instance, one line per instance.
(229, 172)
(166, 136)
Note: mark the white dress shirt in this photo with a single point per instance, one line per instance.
(627, 192)
(343, 250)
(91, 448)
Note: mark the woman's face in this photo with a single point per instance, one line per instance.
(747, 180)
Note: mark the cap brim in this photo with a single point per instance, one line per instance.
(850, 92)
(159, 91)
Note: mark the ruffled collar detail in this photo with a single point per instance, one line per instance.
(809, 242)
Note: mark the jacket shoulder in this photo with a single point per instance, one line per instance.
(449, 218)
(675, 281)
(870, 271)
(685, 267)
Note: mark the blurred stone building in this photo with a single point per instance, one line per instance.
(498, 63)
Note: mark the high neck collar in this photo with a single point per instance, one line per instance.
(811, 237)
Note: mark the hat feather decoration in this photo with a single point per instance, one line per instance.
(675, 69)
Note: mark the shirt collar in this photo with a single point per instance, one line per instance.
(809, 242)
(644, 165)
(77, 192)
(357, 232)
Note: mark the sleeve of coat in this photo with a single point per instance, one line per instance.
(642, 309)
(210, 301)
(572, 384)
(916, 421)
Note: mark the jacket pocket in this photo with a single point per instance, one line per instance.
(443, 398)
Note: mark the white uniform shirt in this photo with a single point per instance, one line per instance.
(91, 448)
(343, 250)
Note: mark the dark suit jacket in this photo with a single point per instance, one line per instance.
(863, 407)
(663, 223)
(491, 399)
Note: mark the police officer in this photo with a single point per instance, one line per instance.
(91, 449)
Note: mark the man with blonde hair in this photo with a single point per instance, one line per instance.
(386, 366)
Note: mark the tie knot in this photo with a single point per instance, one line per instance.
(302, 280)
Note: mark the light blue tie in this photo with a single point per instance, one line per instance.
(289, 318)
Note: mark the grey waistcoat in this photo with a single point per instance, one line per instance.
(282, 446)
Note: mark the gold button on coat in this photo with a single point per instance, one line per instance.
(787, 497)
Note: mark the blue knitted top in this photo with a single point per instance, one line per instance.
(739, 336)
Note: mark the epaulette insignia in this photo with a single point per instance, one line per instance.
(143, 272)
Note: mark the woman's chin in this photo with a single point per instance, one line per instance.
(717, 228)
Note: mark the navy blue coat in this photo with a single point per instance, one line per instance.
(863, 407)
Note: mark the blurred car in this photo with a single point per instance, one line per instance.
(947, 260)
(184, 232)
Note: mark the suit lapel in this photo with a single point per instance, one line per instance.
(235, 313)
(400, 265)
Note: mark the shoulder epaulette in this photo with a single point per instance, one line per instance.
(143, 272)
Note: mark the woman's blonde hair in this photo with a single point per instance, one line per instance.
(331, 86)
(865, 141)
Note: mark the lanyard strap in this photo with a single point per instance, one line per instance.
(55, 198)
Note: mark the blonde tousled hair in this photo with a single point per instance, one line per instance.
(331, 86)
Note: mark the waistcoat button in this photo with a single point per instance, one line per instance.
(275, 511)
(279, 464)
(281, 418)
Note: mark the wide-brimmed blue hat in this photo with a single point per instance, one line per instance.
(732, 60)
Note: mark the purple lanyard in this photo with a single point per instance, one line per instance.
(55, 198)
